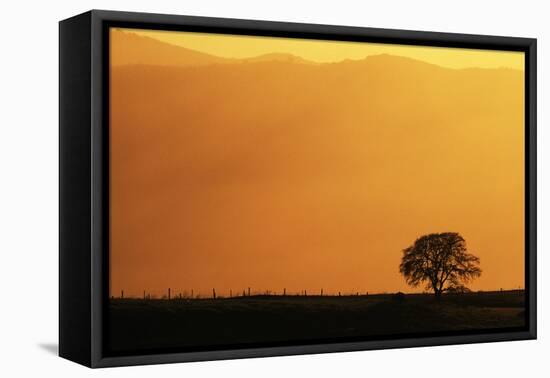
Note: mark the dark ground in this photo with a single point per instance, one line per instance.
(136, 324)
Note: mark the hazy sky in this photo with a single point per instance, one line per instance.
(231, 46)
(277, 175)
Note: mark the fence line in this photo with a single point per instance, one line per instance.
(248, 292)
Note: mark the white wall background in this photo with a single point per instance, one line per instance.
(29, 186)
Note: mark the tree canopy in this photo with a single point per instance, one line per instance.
(441, 261)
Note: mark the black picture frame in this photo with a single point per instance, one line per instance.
(84, 173)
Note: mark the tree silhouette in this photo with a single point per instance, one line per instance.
(441, 261)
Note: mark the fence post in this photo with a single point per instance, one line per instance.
(168, 293)
(249, 292)
(214, 293)
(122, 294)
(284, 291)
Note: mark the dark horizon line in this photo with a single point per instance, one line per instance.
(178, 295)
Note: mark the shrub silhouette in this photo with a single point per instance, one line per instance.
(458, 289)
(398, 297)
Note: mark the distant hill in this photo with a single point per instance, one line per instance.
(132, 48)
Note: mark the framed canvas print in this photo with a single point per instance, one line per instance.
(234, 188)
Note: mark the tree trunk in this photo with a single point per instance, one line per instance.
(437, 294)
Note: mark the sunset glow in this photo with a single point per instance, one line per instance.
(274, 163)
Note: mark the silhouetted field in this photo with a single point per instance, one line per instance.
(137, 324)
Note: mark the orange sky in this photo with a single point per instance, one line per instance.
(230, 171)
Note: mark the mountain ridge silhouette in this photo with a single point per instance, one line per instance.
(134, 49)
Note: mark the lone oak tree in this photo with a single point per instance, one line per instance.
(441, 261)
